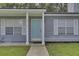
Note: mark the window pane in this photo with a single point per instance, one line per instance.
(70, 23)
(61, 30)
(17, 30)
(70, 31)
(61, 23)
(9, 30)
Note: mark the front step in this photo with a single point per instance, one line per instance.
(36, 43)
(36, 40)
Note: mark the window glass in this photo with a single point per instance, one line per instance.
(17, 30)
(65, 27)
(70, 31)
(69, 23)
(61, 30)
(9, 30)
(61, 23)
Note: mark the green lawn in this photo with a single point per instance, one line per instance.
(63, 49)
(14, 50)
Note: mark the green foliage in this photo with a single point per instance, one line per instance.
(50, 7)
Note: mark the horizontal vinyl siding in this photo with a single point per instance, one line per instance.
(24, 27)
(48, 26)
(76, 7)
(0, 27)
(78, 26)
(49, 29)
(17, 38)
(62, 39)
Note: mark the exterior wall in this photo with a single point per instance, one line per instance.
(13, 22)
(62, 39)
(76, 7)
(11, 19)
(73, 7)
(15, 39)
(70, 7)
(50, 31)
(48, 26)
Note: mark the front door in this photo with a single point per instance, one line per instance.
(36, 29)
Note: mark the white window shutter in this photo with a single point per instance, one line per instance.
(23, 27)
(2, 26)
(55, 26)
(75, 26)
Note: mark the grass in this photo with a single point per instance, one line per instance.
(63, 49)
(13, 50)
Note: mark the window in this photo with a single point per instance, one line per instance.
(13, 26)
(61, 30)
(17, 30)
(65, 27)
(70, 27)
(70, 31)
(13, 30)
(61, 27)
(9, 30)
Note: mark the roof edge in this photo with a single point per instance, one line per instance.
(62, 13)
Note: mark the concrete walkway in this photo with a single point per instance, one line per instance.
(37, 50)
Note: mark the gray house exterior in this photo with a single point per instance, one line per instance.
(73, 7)
(37, 25)
(62, 27)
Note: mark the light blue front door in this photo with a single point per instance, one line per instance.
(35, 28)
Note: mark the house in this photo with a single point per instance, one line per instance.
(34, 25)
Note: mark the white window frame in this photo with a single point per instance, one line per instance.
(67, 26)
(55, 26)
(75, 30)
(13, 26)
(75, 26)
